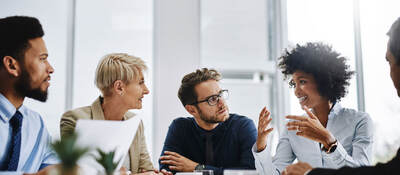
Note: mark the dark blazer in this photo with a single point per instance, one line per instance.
(391, 167)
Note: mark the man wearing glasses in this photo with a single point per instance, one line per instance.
(212, 139)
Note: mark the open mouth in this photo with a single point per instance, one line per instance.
(302, 99)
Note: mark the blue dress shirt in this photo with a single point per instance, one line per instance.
(232, 142)
(35, 151)
(352, 129)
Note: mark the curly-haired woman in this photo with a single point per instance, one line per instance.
(328, 135)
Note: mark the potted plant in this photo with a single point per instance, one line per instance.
(107, 161)
(69, 154)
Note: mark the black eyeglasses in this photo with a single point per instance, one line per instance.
(214, 99)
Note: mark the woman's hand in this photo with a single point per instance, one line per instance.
(310, 127)
(263, 121)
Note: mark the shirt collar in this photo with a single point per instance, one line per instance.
(335, 111)
(216, 131)
(97, 111)
(7, 109)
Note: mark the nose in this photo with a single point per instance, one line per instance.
(297, 90)
(146, 90)
(50, 69)
(221, 101)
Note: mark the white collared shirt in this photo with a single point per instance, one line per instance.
(352, 129)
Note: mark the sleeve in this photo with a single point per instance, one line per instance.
(144, 159)
(362, 147)
(67, 124)
(171, 143)
(49, 157)
(247, 137)
(284, 156)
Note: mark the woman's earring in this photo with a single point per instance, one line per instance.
(121, 94)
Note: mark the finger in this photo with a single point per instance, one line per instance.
(165, 172)
(263, 124)
(295, 117)
(293, 128)
(169, 162)
(172, 153)
(264, 114)
(261, 116)
(175, 168)
(296, 123)
(168, 157)
(268, 130)
(309, 113)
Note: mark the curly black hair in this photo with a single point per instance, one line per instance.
(328, 67)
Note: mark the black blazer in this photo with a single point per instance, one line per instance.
(391, 167)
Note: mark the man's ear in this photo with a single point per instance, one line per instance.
(11, 66)
(191, 109)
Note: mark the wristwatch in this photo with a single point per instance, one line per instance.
(331, 149)
(199, 167)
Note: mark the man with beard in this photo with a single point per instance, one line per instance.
(212, 139)
(391, 167)
(24, 72)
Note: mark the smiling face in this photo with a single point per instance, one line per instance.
(134, 93)
(306, 90)
(394, 70)
(35, 72)
(210, 114)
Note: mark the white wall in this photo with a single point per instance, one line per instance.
(176, 53)
(103, 27)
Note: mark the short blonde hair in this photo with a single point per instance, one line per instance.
(117, 66)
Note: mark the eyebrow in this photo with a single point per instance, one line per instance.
(214, 94)
(300, 77)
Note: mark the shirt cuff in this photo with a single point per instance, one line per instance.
(262, 154)
(339, 154)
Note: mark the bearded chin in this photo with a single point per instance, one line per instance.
(24, 89)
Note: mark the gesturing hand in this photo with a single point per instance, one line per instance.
(177, 162)
(263, 121)
(310, 127)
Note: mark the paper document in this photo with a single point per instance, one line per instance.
(106, 135)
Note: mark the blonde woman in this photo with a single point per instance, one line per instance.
(120, 79)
